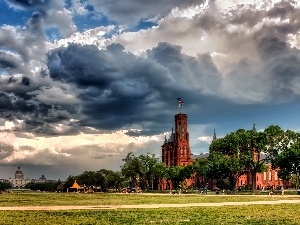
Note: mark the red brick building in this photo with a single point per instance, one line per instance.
(176, 149)
(264, 180)
(176, 152)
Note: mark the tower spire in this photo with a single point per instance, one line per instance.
(214, 137)
(254, 128)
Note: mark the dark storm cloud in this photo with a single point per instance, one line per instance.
(25, 81)
(28, 4)
(120, 90)
(185, 70)
(5, 101)
(17, 104)
(130, 12)
(112, 91)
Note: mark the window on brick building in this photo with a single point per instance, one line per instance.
(270, 175)
(275, 176)
(265, 175)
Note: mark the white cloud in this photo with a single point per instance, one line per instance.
(8, 125)
(205, 139)
(87, 37)
(77, 148)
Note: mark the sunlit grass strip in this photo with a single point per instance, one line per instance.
(286, 214)
(48, 199)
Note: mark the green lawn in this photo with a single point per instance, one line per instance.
(47, 199)
(287, 214)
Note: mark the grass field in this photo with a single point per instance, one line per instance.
(259, 214)
(46, 199)
(286, 214)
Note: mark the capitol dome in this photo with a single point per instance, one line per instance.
(19, 174)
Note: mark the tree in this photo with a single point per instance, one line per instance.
(227, 159)
(69, 182)
(266, 146)
(132, 169)
(289, 162)
(254, 149)
(46, 186)
(87, 178)
(159, 173)
(149, 169)
(200, 166)
(115, 180)
(107, 179)
(200, 169)
(5, 185)
(59, 186)
(225, 169)
(177, 174)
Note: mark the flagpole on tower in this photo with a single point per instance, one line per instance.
(180, 103)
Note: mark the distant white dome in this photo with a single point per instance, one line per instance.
(19, 174)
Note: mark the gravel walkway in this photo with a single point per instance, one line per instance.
(101, 207)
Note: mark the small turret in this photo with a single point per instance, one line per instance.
(254, 128)
(172, 136)
(214, 137)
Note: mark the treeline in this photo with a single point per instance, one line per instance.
(5, 186)
(50, 186)
(248, 152)
(240, 152)
(144, 171)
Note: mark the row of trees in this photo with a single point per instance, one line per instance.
(240, 152)
(248, 152)
(50, 186)
(5, 186)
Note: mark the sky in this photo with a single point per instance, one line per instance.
(85, 82)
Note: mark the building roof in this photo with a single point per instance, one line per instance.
(19, 174)
(43, 177)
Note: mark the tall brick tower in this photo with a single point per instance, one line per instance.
(176, 149)
(182, 144)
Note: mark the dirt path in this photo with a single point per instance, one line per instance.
(101, 207)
